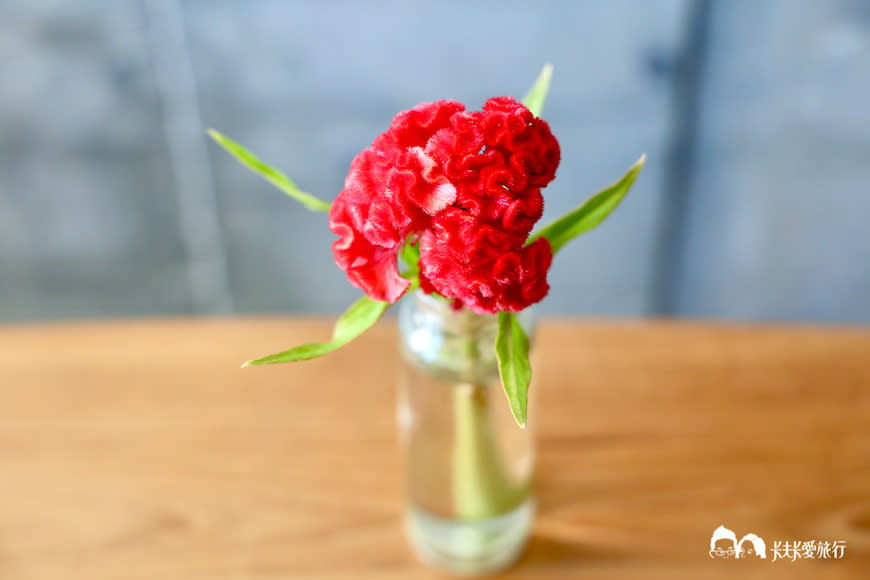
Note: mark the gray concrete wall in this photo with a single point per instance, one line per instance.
(113, 203)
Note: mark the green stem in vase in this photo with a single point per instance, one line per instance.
(482, 488)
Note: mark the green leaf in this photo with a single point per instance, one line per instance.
(537, 95)
(270, 174)
(410, 254)
(591, 213)
(512, 349)
(361, 316)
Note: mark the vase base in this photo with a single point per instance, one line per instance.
(470, 548)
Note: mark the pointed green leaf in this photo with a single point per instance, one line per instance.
(270, 174)
(512, 350)
(361, 316)
(537, 95)
(591, 213)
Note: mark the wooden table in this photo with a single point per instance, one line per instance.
(140, 450)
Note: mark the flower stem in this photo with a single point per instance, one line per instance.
(481, 486)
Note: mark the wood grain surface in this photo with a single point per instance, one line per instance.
(140, 450)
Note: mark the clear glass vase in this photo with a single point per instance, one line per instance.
(469, 465)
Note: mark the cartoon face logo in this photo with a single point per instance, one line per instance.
(724, 544)
(751, 546)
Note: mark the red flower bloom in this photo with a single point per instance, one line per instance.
(391, 190)
(468, 185)
(498, 159)
(483, 266)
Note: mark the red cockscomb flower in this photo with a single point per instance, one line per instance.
(467, 185)
(456, 193)
(481, 265)
(392, 189)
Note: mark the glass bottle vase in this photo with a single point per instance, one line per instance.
(468, 464)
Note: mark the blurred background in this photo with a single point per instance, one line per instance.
(755, 117)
